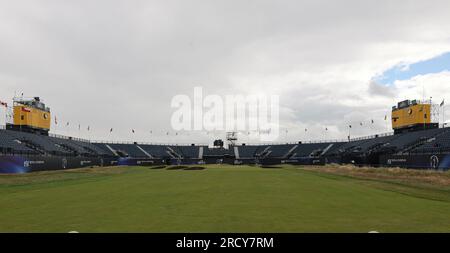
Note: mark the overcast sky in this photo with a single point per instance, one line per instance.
(119, 63)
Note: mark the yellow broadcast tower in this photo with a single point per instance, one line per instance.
(30, 115)
(411, 115)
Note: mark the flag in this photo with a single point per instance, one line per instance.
(442, 103)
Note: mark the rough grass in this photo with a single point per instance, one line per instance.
(222, 198)
(428, 184)
(412, 176)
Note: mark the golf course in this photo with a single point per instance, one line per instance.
(226, 198)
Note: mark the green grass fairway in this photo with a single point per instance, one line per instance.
(220, 198)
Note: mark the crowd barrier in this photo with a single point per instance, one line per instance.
(24, 164)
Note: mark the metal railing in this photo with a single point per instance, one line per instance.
(147, 143)
(68, 138)
(2, 127)
(372, 136)
(292, 143)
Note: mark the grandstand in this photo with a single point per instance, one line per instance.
(430, 141)
(420, 145)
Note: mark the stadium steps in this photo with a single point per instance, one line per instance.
(77, 147)
(437, 140)
(290, 152)
(68, 149)
(374, 148)
(325, 150)
(236, 152)
(412, 146)
(421, 142)
(173, 153)
(265, 153)
(10, 144)
(91, 151)
(112, 150)
(34, 146)
(68, 146)
(143, 151)
(200, 153)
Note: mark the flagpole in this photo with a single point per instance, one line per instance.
(349, 133)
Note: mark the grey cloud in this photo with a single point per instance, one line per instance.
(381, 90)
(125, 60)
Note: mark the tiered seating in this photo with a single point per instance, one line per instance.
(262, 150)
(438, 145)
(217, 152)
(91, 147)
(369, 144)
(38, 143)
(10, 145)
(157, 151)
(280, 151)
(101, 147)
(334, 147)
(373, 143)
(426, 141)
(247, 151)
(80, 147)
(345, 147)
(187, 151)
(306, 150)
(130, 149)
(69, 145)
(400, 142)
